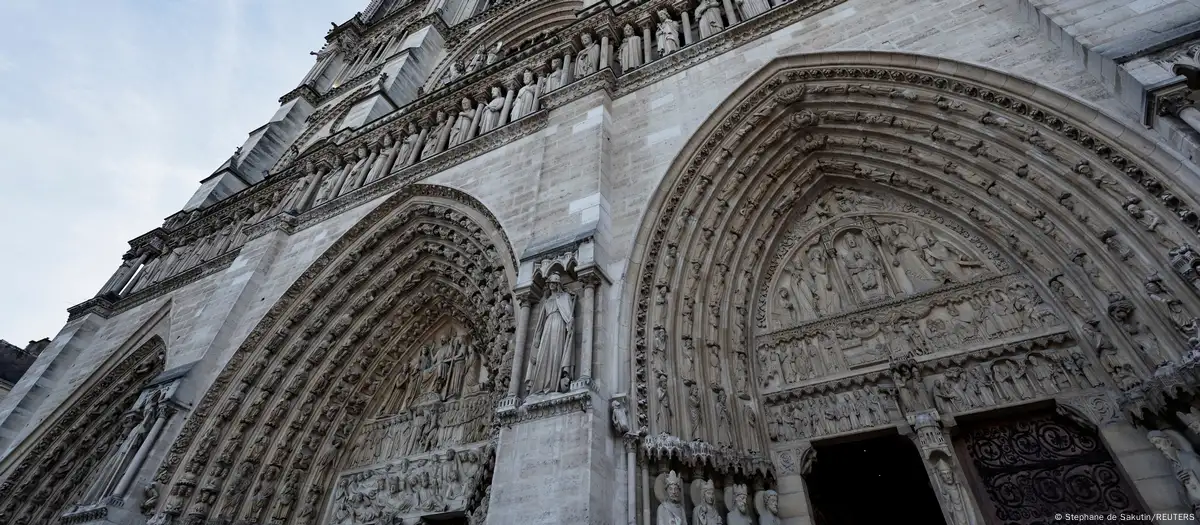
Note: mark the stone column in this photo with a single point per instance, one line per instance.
(730, 13)
(415, 154)
(164, 412)
(791, 464)
(631, 470)
(647, 42)
(480, 104)
(518, 368)
(568, 69)
(510, 90)
(605, 52)
(944, 470)
(587, 340)
(129, 265)
(686, 16)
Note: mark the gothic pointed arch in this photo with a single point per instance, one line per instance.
(64, 455)
(856, 236)
(381, 361)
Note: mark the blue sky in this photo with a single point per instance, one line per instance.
(111, 111)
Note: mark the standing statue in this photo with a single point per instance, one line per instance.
(705, 512)
(491, 112)
(554, 332)
(526, 101)
(555, 79)
(739, 512)
(767, 505)
(951, 492)
(630, 53)
(495, 54)
(827, 301)
(753, 8)
(434, 138)
(476, 62)
(667, 35)
(620, 417)
(462, 125)
(708, 15)
(913, 273)
(670, 510)
(589, 57)
(945, 262)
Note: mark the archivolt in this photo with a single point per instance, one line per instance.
(57, 468)
(273, 427)
(1063, 192)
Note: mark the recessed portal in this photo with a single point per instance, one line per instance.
(877, 480)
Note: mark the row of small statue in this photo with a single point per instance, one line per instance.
(436, 484)
(668, 488)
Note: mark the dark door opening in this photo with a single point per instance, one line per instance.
(877, 480)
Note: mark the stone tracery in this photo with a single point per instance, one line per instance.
(293, 404)
(894, 230)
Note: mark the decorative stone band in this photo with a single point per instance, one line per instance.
(699, 454)
(552, 405)
(97, 306)
(84, 515)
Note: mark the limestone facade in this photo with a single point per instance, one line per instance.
(549, 262)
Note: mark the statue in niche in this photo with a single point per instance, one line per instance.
(670, 507)
(620, 417)
(455, 366)
(912, 273)
(1073, 302)
(1184, 461)
(462, 124)
(554, 334)
(434, 138)
(790, 315)
(911, 390)
(494, 54)
(555, 79)
(662, 418)
(945, 261)
(951, 492)
(589, 57)
(694, 410)
(630, 53)
(753, 8)
(475, 62)
(526, 100)
(407, 145)
(818, 266)
(724, 418)
(667, 34)
(741, 372)
(708, 18)
(767, 505)
(706, 512)
(739, 511)
(1122, 311)
(491, 112)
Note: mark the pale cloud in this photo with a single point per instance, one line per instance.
(110, 114)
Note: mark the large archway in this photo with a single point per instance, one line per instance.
(68, 454)
(859, 240)
(400, 330)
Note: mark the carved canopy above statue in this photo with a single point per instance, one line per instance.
(322, 385)
(845, 211)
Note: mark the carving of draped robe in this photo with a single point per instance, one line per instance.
(667, 37)
(526, 101)
(913, 267)
(708, 15)
(705, 514)
(946, 262)
(753, 8)
(432, 139)
(554, 332)
(630, 54)
(587, 61)
(491, 115)
(462, 127)
(670, 513)
(554, 80)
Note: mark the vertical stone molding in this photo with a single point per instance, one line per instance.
(945, 471)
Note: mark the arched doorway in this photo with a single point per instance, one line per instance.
(367, 393)
(862, 241)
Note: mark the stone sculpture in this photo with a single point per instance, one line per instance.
(526, 100)
(708, 18)
(463, 124)
(630, 54)
(1184, 461)
(589, 57)
(753, 8)
(553, 336)
(667, 34)
(739, 511)
(705, 511)
(767, 504)
(491, 111)
(670, 508)
(554, 80)
(620, 417)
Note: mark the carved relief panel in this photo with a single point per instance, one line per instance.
(425, 449)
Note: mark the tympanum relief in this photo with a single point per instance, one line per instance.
(425, 450)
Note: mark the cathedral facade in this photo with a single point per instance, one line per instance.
(658, 262)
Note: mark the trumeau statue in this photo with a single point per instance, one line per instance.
(667, 34)
(1184, 461)
(589, 57)
(951, 494)
(553, 337)
(670, 507)
(630, 53)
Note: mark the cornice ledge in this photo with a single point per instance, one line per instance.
(98, 305)
(698, 454)
(304, 91)
(550, 406)
(282, 221)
